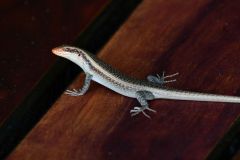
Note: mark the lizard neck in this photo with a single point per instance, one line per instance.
(84, 61)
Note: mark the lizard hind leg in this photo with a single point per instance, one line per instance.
(161, 79)
(142, 97)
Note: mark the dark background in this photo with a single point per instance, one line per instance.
(29, 29)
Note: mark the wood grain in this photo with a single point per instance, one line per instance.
(200, 40)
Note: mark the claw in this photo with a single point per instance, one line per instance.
(73, 92)
(171, 75)
(146, 114)
(174, 80)
(68, 92)
(134, 114)
(161, 79)
(133, 111)
(137, 110)
(152, 110)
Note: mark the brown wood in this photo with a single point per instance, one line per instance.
(198, 39)
(237, 156)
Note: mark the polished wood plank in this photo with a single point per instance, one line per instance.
(198, 39)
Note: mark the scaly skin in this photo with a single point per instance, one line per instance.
(142, 90)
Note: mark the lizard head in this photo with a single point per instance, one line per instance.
(73, 54)
(67, 51)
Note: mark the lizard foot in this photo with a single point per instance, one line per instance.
(137, 110)
(161, 79)
(74, 92)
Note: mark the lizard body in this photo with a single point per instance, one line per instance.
(143, 90)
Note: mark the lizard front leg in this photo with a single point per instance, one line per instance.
(142, 97)
(83, 90)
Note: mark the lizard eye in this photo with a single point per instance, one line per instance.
(67, 49)
(73, 51)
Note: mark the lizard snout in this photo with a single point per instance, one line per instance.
(57, 50)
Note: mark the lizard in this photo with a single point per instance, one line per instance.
(143, 90)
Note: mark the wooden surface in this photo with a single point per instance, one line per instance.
(237, 156)
(200, 40)
(29, 29)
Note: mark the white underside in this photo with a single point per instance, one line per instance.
(126, 92)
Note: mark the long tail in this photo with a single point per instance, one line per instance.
(194, 96)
